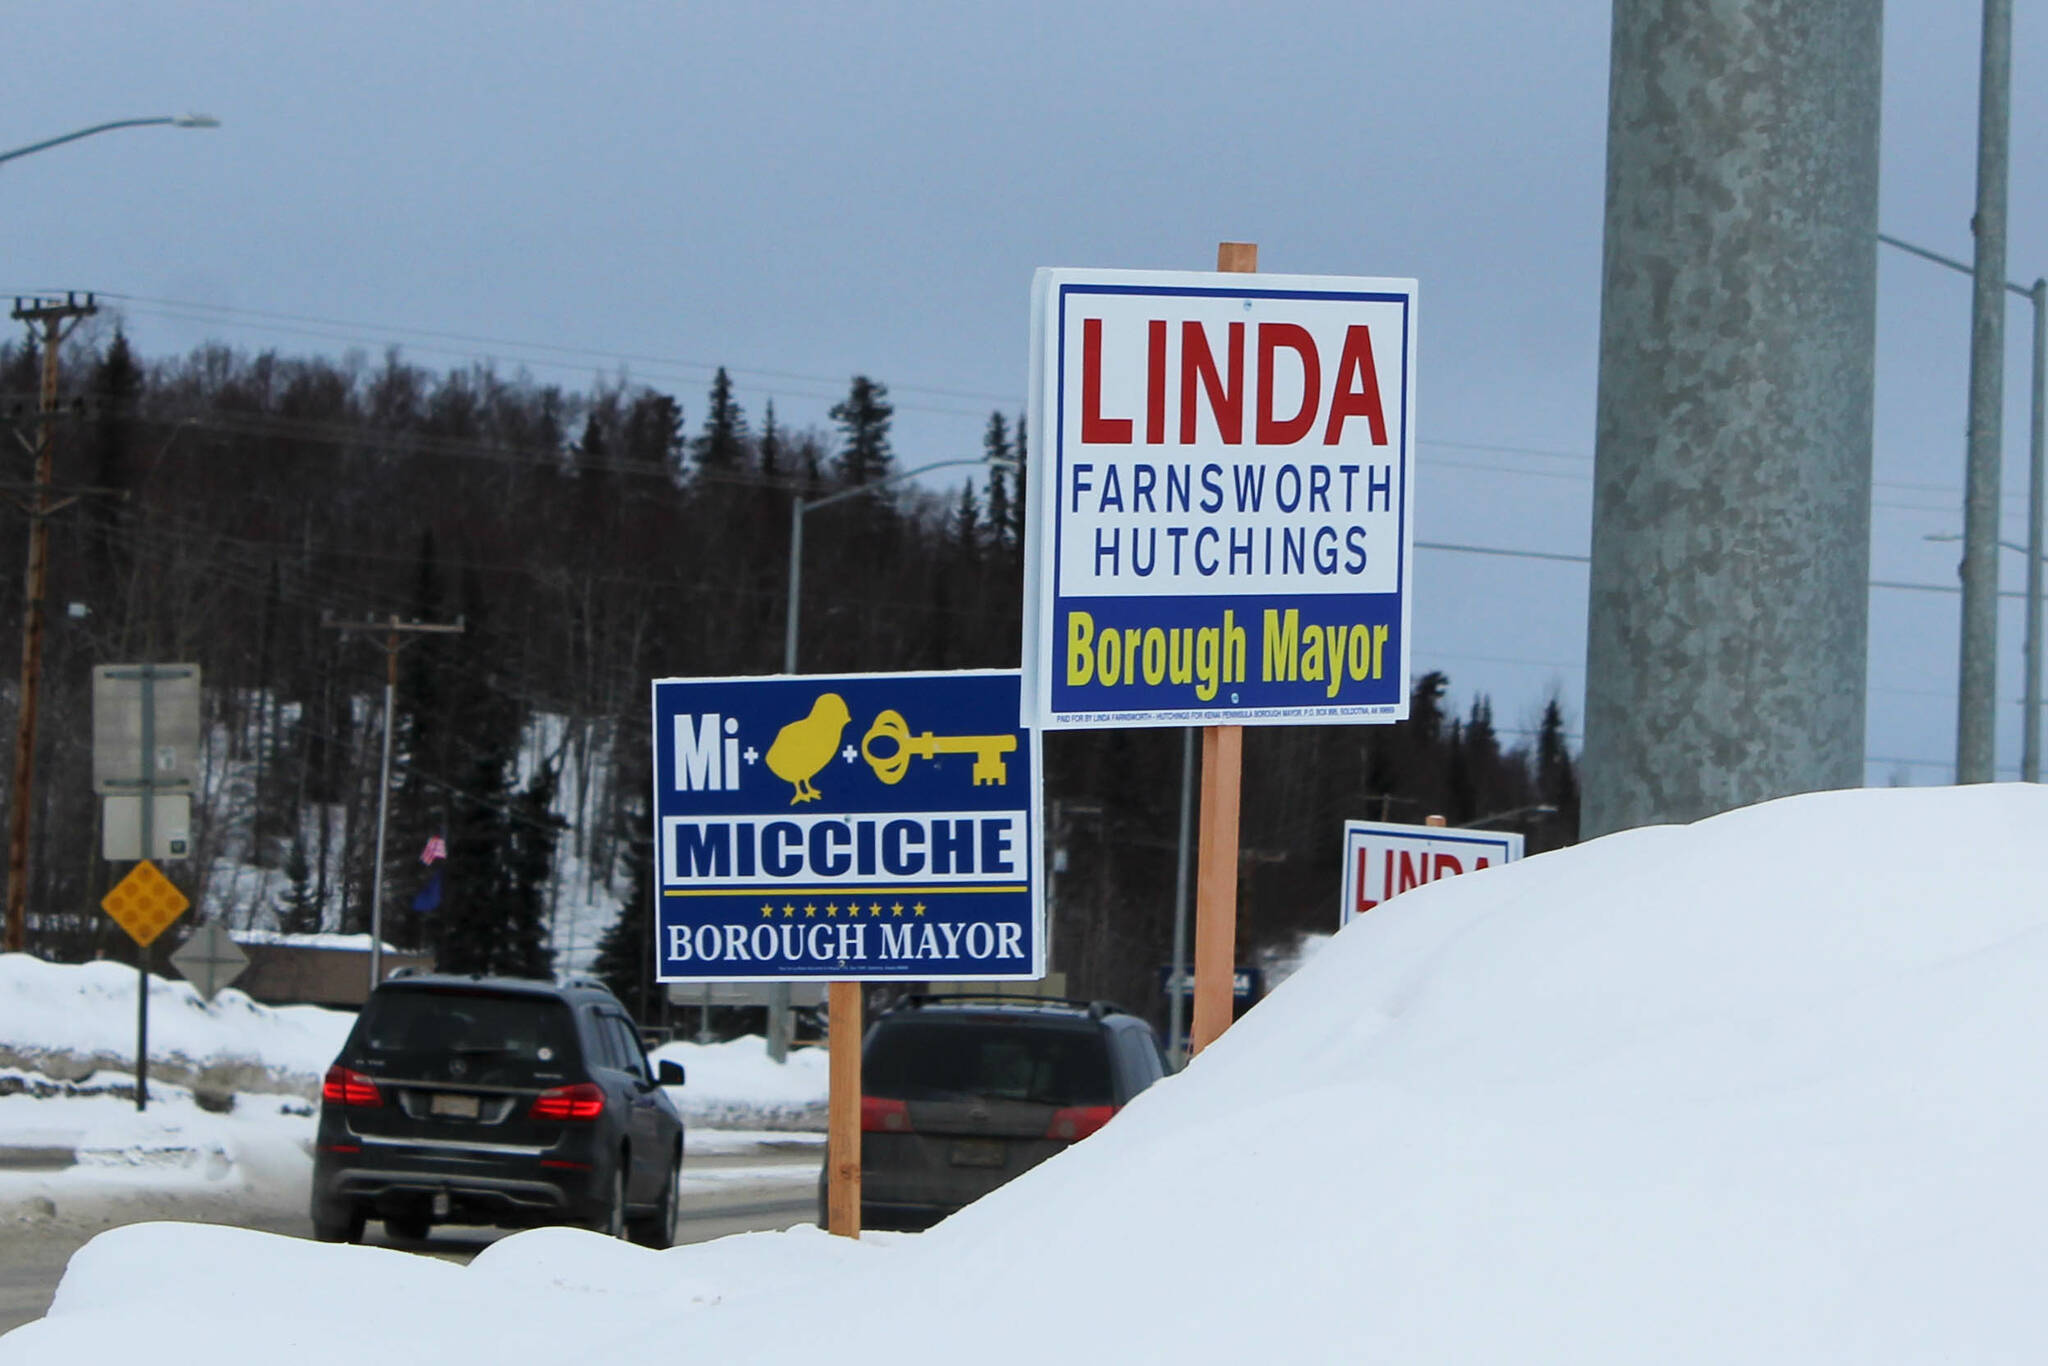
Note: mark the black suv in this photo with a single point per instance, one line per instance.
(960, 1094)
(482, 1100)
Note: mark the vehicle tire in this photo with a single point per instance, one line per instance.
(658, 1230)
(611, 1220)
(408, 1228)
(339, 1226)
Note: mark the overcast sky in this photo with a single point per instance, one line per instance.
(805, 191)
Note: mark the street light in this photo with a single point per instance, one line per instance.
(166, 120)
(54, 315)
(2030, 745)
(778, 995)
(798, 507)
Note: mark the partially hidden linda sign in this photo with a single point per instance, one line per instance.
(864, 826)
(1382, 860)
(1223, 533)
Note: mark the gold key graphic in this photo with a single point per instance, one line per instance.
(988, 750)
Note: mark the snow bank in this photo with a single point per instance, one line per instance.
(174, 1157)
(736, 1085)
(69, 1020)
(1761, 1089)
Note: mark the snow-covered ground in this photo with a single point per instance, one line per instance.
(72, 1020)
(1761, 1089)
(735, 1085)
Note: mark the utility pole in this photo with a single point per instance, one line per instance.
(1977, 696)
(395, 632)
(50, 321)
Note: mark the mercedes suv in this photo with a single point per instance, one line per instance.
(478, 1100)
(961, 1094)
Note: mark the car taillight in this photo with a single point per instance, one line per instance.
(1078, 1121)
(881, 1116)
(346, 1087)
(584, 1100)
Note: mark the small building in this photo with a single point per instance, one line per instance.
(316, 969)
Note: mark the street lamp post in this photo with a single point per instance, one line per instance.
(165, 121)
(778, 994)
(53, 315)
(2030, 723)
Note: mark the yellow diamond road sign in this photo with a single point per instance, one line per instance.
(144, 903)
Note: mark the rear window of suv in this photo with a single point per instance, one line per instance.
(937, 1058)
(502, 1036)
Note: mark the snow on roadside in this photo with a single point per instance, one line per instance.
(257, 1155)
(1759, 1089)
(735, 1085)
(69, 1020)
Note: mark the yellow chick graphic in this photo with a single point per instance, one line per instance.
(802, 748)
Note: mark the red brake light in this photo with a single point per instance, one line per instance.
(343, 1086)
(1078, 1121)
(882, 1116)
(584, 1100)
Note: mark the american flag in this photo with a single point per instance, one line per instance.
(437, 848)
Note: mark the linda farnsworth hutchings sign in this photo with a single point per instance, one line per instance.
(853, 827)
(1224, 534)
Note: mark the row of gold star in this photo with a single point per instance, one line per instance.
(832, 908)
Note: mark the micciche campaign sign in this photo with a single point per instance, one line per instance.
(1224, 534)
(849, 827)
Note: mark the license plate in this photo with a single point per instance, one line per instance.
(978, 1152)
(456, 1106)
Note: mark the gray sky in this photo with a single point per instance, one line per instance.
(805, 191)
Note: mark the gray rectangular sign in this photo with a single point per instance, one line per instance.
(117, 758)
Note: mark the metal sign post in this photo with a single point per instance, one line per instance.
(845, 829)
(165, 757)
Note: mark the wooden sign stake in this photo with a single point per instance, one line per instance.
(842, 1122)
(1216, 858)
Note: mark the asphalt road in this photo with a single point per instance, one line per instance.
(746, 1197)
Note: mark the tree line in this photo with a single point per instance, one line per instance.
(229, 508)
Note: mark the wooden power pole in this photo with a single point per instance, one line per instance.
(50, 321)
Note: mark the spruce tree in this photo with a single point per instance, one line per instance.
(1557, 781)
(771, 442)
(300, 911)
(722, 446)
(863, 417)
(625, 954)
(995, 445)
(1022, 483)
(652, 434)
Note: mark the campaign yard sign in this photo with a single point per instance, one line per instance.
(1382, 859)
(849, 827)
(1223, 531)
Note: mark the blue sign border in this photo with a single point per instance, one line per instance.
(1057, 705)
(967, 902)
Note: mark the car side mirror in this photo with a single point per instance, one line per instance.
(668, 1073)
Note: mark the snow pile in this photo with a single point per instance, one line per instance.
(70, 1020)
(80, 1151)
(1760, 1089)
(736, 1085)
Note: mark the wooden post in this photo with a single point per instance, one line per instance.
(1216, 859)
(842, 1124)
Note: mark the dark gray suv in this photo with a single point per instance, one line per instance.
(961, 1094)
(478, 1100)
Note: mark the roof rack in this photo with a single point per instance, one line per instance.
(1095, 1010)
